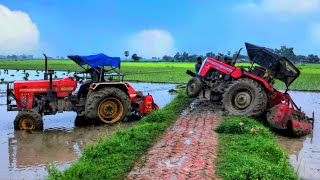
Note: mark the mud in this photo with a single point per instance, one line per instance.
(24, 155)
(304, 152)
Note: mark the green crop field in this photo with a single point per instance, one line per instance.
(166, 72)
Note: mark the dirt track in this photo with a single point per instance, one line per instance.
(188, 148)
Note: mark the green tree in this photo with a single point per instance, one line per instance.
(185, 56)
(287, 52)
(193, 58)
(135, 57)
(313, 58)
(126, 54)
(177, 57)
(167, 58)
(301, 58)
(210, 54)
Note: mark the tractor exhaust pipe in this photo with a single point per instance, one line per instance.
(50, 92)
(191, 73)
(45, 67)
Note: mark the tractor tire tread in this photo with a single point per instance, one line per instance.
(93, 100)
(261, 98)
(197, 89)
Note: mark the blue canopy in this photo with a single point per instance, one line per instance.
(96, 60)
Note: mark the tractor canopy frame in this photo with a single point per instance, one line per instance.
(100, 60)
(279, 67)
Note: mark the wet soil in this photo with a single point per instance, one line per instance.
(24, 154)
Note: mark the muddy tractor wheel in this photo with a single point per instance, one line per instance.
(28, 120)
(244, 97)
(108, 105)
(194, 87)
(215, 96)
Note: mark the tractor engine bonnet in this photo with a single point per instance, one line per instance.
(24, 90)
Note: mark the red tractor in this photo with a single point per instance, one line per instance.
(250, 92)
(109, 101)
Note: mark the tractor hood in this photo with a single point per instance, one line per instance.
(278, 66)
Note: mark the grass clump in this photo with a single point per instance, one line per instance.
(113, 158)
(248, 150)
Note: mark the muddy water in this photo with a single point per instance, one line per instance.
(304, 152)
(23, 155)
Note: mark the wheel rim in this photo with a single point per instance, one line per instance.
(192, 87)
(242, 100)
(27, 124)
(110, 110)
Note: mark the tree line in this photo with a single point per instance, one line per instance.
(285, 51)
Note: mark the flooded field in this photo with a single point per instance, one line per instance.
(20, 75)
(24, 155)
(304, 152)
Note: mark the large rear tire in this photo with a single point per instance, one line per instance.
(28, 120)
(108, 105)
(194, 87)
(244, 97)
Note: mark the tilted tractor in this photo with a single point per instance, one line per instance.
(109, 101)
(250, 92)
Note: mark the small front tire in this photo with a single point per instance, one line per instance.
(194, 87)
(28, 120)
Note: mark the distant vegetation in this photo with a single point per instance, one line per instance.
(187, 57)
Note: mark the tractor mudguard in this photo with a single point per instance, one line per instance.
(261, 80)
(120, 85)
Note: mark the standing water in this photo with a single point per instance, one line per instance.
(24, 155)
(304, 152)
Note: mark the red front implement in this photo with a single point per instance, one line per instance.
(141, 104)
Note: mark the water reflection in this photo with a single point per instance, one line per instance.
(38, 148)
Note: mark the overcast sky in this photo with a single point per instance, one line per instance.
(158, 27)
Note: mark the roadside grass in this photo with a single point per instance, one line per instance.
(166, 72)
(114, 157)
(248, 150)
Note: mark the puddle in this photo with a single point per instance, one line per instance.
(304, 152)
(24, 155)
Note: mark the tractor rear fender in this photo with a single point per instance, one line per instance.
(260, 80)
(119, 85)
